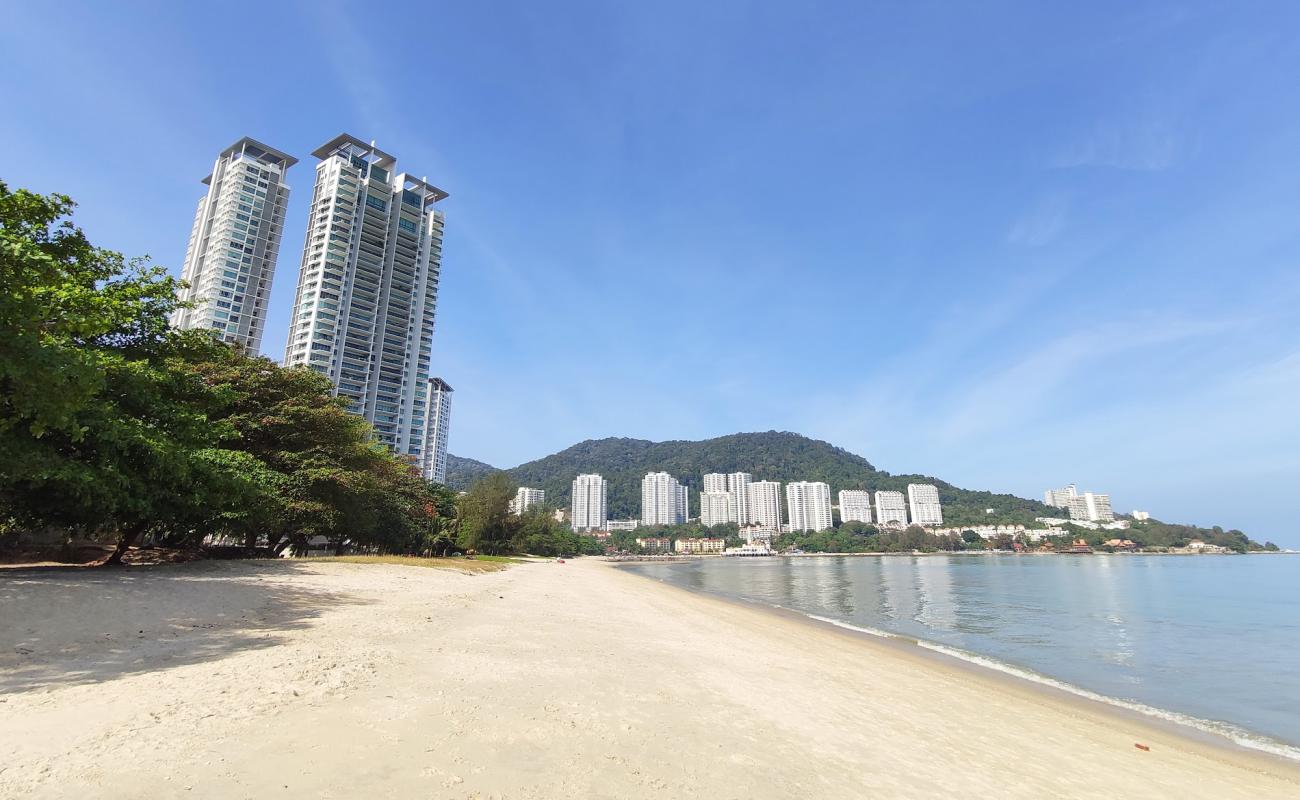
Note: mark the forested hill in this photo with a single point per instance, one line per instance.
(773, 456)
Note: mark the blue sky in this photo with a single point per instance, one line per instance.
(1013, 245)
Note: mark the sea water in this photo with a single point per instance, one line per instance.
(1208, 641)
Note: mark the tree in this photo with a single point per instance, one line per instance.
(100, 427)
(486, 524)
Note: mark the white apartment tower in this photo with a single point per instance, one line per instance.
(230, 261)
(738, 484)
(715, 482)
(437, 405)
(525, 498)
(1060, 498)
(764, 502)
(891, 508)
(1091, 507)
(809, 505)
(588, 509)
(663, 500)
(715, 508)
(923, 499)
(855, 505)
(368, 288)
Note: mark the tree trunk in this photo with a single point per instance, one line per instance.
(128, 538)
(250, 544)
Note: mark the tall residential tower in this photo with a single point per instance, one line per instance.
(663, 500)
(809, 505)
(230, 261)
(589, 510)
(437, 405)
(368, 287)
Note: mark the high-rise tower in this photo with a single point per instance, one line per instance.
(230, 261)
(368, 288)
(437, 404)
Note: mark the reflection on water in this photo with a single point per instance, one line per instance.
(1210, 636)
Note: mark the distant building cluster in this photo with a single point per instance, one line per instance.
(1086, 506)
(754, 506)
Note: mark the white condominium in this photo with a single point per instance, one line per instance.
(924, 501)
(525, 498)
(809, 505)
(1091, 507)
(715, 508)
(663, 500)
(738, 484)
(368, 288)
(1060, 498)
(588, 509)
(437, 426)
(764, 501)
(715, 482)
(855, 505)
(891, 509)
(230, 261)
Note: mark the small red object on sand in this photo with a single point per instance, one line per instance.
(1142, 747)
(559, 561)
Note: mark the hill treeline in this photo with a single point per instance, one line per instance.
(777, 456)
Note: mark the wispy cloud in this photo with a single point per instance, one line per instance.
(1148, 145)
(1041, 224)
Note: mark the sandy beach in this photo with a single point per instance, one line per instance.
(544, 680)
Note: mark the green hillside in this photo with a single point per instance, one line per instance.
(773, 455)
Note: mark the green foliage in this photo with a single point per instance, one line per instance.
(486, 524)
(856, 537)
(768, 456)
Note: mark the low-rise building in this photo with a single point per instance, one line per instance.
(1141, 516)
(700, 546)
(655, 544)
(622, 524)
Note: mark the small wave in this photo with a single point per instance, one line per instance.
(837, 623)
(1229, 731)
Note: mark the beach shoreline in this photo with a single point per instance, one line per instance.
(542, 680)
(1016, 677)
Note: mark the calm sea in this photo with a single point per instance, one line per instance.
(1210, 641)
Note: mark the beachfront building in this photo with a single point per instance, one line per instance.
(809, 505)
(230, 260)
(855, 505)
(655, 544)
(891, 509)
(738, 484)
(715, 508)
(1060, 498)
(368, 288)
(1091, 507)
(663, 500)
(437, 405)
(622, 524)
(588, 508)
(525, 498)
(923, 500)
(763, 501)
(701, 546)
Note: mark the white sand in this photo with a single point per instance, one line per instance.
(546, 680)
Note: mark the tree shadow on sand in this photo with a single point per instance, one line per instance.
(69, 626)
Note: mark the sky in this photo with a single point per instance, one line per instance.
(1010, 244)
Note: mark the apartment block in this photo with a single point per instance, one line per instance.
(923, 499)
(855, 505)
(234, 243)
(891, 508)
(809, 505)
(589, 510)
